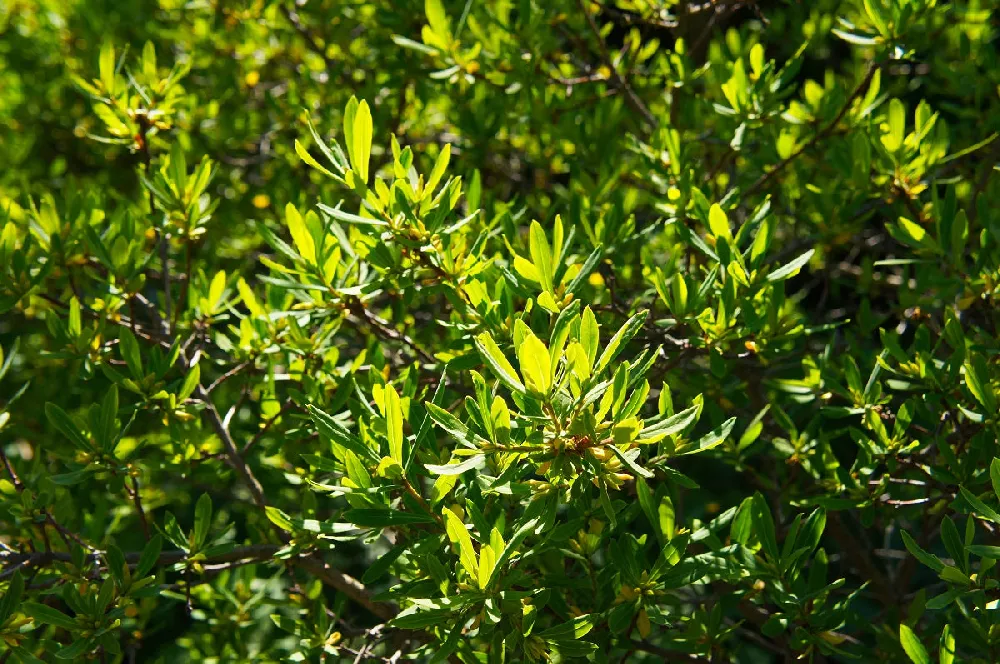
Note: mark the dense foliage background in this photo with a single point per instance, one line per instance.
(495, 330)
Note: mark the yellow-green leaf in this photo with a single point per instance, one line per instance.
(362, 141)
(718, 222)
(394, 423)
(300, 234)
(350, 113)
(460, 537)
(912, 646)
(497, 361)
(541, 255)
(535, 364)
(216, 290)
(439, 168)
(590, 335)
(487, 559)
(309, 160)
(249, 299)
(106, 67)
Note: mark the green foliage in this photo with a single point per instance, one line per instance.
(499, 331)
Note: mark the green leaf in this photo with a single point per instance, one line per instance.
(946, 649)
(763, 525)
(511, 548)
(362, 141)
(106, 67)
(927, 559)
(129, 348)
(978, 381)
(348, 218)
(984, 551)
(76, 650)
(381, 566)
(541, 255)
(476, 461)
(109, 419)
(590, 334)
(150, 556)
(621, 337)
(22, 656)
(979, 507)
(376, 518)
(498, 363)
(585, 270)
(191, 381)
(912, 646)
(718, 222)
(629, 462)
(438, 19)
(790, 269)
(309, 160)
(12, 597)
(713, 438)
(487, 559)
(46, 614)
(670, 425)
(300, 234)
(328, 427)
(71, 478)
(420, 618)
(647, 502)
(535, 363)
(202, 520)
(606, 505)
(459, 536)
(453, 425)
(394, 423)
(279, 518)
(877, 15)
(60, 420)
(440, 166)
(896, 121)
(350, 115)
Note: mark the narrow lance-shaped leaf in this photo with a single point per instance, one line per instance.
(541, 255)
(621, 337)
(300, 234)
(394, 423)
(476, 461)
(459, 536)
(629, 462)
(497, 361)
(202, 520)
(329, 428)
(362, 141)
(792, 268)
(712, 439)
(536, 366)
(912, 646)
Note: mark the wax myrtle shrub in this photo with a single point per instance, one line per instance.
(499, 331)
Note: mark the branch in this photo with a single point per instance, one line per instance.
(630, 96)
(386, 331)
(232, 453)
(312, 564)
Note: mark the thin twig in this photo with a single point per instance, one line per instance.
(630, 96)
(285, 407)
